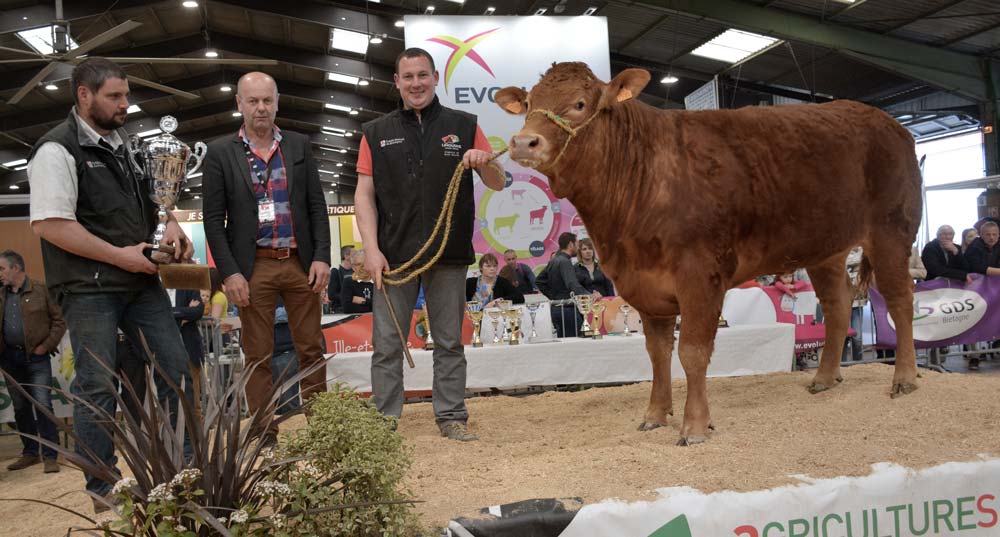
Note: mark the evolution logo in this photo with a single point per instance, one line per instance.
(944, 313)
(460, 50)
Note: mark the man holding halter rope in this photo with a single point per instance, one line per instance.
(405, 165)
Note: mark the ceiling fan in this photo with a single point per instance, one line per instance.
(62, 55)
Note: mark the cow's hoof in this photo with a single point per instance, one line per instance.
(900, 389)
(650, 425)
(817, 387)
(691, 440)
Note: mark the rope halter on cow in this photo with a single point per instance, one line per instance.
(563, 124)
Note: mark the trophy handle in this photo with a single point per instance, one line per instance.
(134, 145)
(196, 157)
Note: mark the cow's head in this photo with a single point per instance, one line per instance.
(572, 94)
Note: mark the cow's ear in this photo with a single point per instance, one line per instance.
(512, 100)
(627, 85)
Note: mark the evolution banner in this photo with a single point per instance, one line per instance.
(945, 312)
(478, 56)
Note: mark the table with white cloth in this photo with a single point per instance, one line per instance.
(739, 350)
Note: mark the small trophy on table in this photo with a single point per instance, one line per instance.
(474, 310)
(625, 309)
(583, 305)
(495, 317)
(514, 320)
(598, 309)
(532, 311)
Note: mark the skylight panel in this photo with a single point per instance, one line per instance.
(348, 40)
(733, 46)
(40, 39)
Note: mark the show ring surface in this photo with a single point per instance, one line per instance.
(585, 444)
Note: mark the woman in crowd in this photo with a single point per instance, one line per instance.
(488, 288)
(589, 273)
(216, 303)
(968, 236)
(356, 296)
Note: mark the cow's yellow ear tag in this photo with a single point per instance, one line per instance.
(624, 94)
(514, 108)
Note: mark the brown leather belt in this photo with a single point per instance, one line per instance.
(276, 253)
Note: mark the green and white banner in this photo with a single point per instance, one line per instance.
(950, 499)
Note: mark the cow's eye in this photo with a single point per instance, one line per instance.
(580, 105)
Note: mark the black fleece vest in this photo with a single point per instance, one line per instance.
(113, 203)
(412, 164)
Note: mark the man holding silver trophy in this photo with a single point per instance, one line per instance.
(95, 212)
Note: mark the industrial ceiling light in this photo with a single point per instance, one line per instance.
(147, 134)
(226, 88)
(353, 112)
(734, 46)
(541, 11)
(14, 163)
(363, 82)
(15, 187)
(376, 40)
(338, 107)
(189, 3)
(237, 114)
(429, 10)
(590, 10)
(400, 24)
(669, 79)
(211, 53)
(489, 10)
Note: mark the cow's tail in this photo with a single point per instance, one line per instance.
(866, 273)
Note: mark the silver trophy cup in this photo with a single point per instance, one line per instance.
(166, 162)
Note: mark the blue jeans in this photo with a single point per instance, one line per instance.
(92, 320)
(37, 371)
(566, 320)
(279, 362)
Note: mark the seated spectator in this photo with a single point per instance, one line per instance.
(588, 271)
(188, 309)
(284, 361)
(521, 274)
(355, 295)
(216, 303)
(983, 255)
(337, 275)
(917, 269)
(787, 284)
(968, 236)
(942, 257)
(561, 284)
(488, 288)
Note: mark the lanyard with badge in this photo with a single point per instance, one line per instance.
(265, 205)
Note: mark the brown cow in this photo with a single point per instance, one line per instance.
(684, 205)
